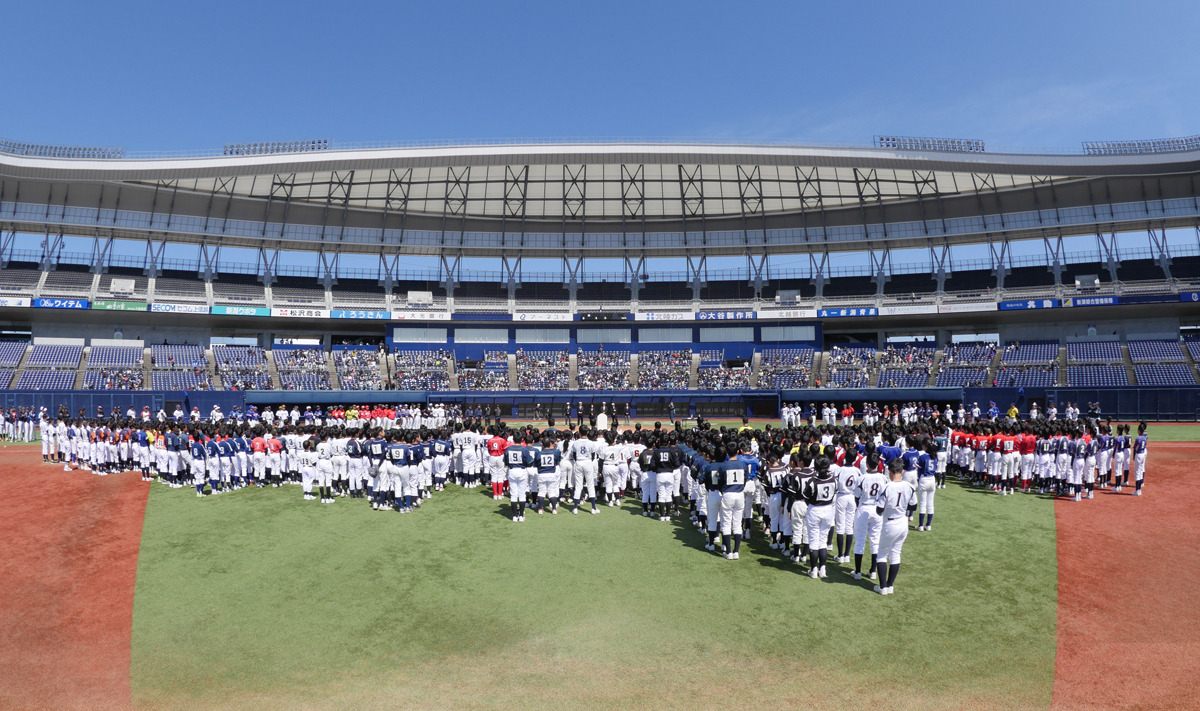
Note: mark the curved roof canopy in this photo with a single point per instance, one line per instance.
(601, 200)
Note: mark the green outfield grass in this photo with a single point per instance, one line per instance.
(258, 599)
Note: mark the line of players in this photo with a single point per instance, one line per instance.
(812, 486)
(1064, 458)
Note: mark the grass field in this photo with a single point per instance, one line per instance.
(259, 598)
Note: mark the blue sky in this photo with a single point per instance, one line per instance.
(181, 76)
(192, 76)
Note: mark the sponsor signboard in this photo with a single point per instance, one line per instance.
(542, 316)
(724, 315)
(788, 313)
(60, 303)
(907, 310)
(15, 301)
(420, 316)
(1078, 301)
(1028, 304)
(101, 305)
(360, 314)
(299, 312)
(224, 310)
(665, 316)
(967, 307)
(843, 312)
(179, 308)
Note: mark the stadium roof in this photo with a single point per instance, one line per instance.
(600, 200)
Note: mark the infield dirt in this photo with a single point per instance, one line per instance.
(71, 546)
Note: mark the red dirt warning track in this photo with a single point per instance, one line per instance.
(1128, 576)
(71, 546)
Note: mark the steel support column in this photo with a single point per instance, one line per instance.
(1162, 251)
(7, 241)
(633, 273)
(999, 260)
(451, 271)
(510, 274)
(818, 268)
(1054, 254)
(328, 264)
(572, 273)
(210, 258)
(939, 258)
(152, 260)
(101, 253)
(881, 264)
(1108, 252)
(51, 249)
(268, 264)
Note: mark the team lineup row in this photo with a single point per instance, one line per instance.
(809, 486)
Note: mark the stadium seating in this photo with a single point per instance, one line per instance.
(242, 367)
(968, 353)
(421, 370)
(961, 377)
(711, 356)
(1192, 343)
(115, 357)
(1164, 374)
(969, 280)
(127, 378)
(489, 379)
(1034, 376)
(180, 380)
(1029, 352)
(901, 378)
(1096, 376)
(55, 356)
(302, 368)
(175, 356)
(304, 381)
(1156, 351)
(11, 353)
(6, 377)
(358, 369)
(722, 378)
(47, 379)
(847, 377)
(1141, 270)
(602, 369)
(543, 370)
(664, 370)
(1094, 352)
(785, 368)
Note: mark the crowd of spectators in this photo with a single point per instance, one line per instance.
(482, 379)
(723, 378)
(602, 370)
(420, 370)
(358, 369)
(242, 367)
(785, 368)
(664, 370)
(543, 370)
(307, 362)
(901, 365)
(980, 353)
(849, 367)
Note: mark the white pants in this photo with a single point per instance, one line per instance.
(731, 511)
(585, 478)
(867, 526)
(496, 469)
(518, 484)
(891, 540)
(799, 531)
(666, 488)
(926, 492)
(1139, 466)
(611, 475)
(843, 513)
(818, 520)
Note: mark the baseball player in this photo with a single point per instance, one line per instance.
(867, 521)
(731, 480)
(820, 489)
(519, 458)
(844, 506)
(892, 508)
(547, 460)
(1140, 447)
(927, 465)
